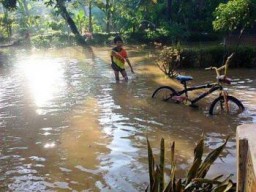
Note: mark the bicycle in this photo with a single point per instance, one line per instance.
(224, 103)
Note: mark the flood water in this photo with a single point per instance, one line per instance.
(66, 125)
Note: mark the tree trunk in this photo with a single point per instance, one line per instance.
(90, 17)
(7, 23)
(240, 38)
(70, 22)
(169, 10)
(108, 16)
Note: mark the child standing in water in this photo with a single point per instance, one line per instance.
(118, 58)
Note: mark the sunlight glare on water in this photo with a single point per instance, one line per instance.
(45, 78)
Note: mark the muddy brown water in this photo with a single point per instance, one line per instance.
(66, 125)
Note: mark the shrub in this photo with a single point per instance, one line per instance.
(169, 60)
(205, 57)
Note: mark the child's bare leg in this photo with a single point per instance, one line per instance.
(116, 75)
(124, 74)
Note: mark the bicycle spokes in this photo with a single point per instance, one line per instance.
(226, 103)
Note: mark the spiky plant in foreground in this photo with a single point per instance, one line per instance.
(195, 180)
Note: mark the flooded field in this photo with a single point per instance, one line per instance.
(66, 125)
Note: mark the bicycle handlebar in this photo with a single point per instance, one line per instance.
(210, 68)
(225, 66)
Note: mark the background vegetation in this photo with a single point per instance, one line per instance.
(49, 23)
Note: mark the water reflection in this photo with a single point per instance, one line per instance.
(66, 125)
(45, 79)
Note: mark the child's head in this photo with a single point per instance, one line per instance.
(118, 40)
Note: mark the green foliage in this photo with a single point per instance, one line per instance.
(56, 39)
(167, 34)
(195, 179)
(214, 56)
(235, 14)
(176, 32)
(5, 25)
(203, 37)
(9, 4)
(102, 38)
(169, 60)
(244, 57)
(203, 57)
(80, 20)
(173, 21)
(55, 25)
(195, 16)
(137, 37)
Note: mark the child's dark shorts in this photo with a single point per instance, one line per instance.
(116, 68)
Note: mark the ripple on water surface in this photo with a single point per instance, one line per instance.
(66, 125)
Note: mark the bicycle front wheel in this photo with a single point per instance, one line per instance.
(164, 93)
(233, 106)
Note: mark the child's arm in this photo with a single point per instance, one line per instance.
(127, 60)
(129, 63)
(116, 54)
(111, 58)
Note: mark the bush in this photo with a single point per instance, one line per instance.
(245, 57)
(169, 60)
(55, 39)
(211, 56)
(203, 37)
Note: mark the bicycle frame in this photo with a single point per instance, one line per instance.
(213, 87)
(223, 103)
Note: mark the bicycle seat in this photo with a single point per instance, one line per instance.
(183, 78)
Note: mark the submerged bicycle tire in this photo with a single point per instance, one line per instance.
(218, 106)
(164, 93)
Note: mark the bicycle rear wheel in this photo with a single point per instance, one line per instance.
(164, 93)
(218, 106)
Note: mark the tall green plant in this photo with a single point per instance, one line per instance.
(195, 179)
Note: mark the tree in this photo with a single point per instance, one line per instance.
(9, 4)
(108, 8)
(235, 14)
(90, 16)
(61, 7)
(87, 5)
(60, 4)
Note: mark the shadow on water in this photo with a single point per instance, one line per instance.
(67, 125)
